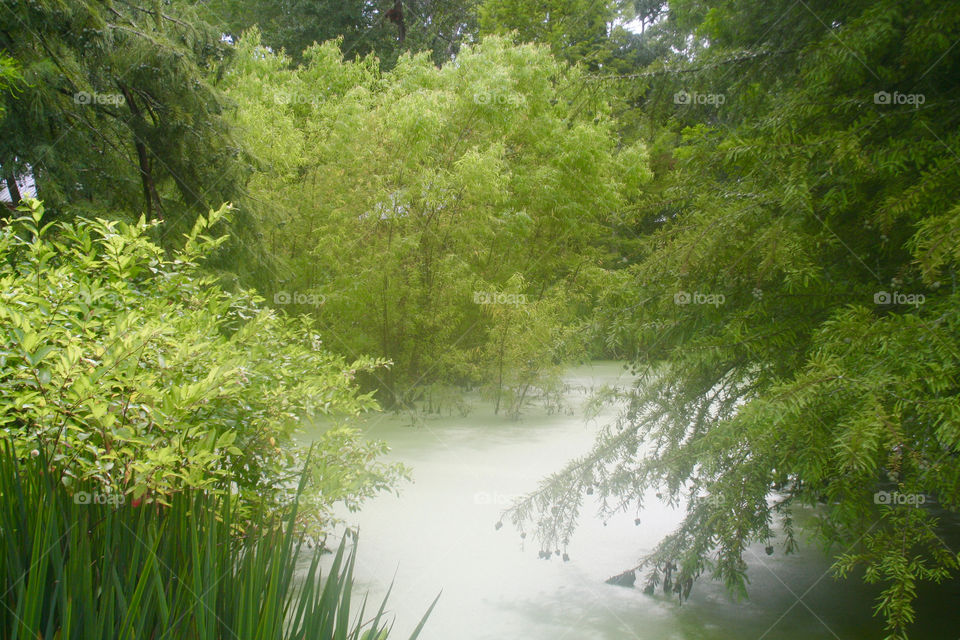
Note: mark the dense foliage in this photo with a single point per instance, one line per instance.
(385, 29)
(757, 204)
(89, 564)
(793, 300)
(404, 204)
(117, 108)
(590, 33)
(134, 370)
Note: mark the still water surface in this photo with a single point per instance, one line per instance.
(439, 535)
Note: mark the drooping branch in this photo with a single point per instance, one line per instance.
(736, 59)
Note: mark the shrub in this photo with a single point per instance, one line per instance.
(134, 370)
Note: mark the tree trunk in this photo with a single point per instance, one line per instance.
(145, 178)
(503, 340)
(150, 195)
(401, 25)
(12, 187)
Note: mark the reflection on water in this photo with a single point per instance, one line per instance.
(439, 535)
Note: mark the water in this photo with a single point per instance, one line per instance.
(439, 535)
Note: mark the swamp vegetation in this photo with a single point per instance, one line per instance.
(234, 231)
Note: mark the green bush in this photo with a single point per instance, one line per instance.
(133, 369)
(91, 565)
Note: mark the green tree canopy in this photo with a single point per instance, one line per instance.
(406, 201)
(364, 27)
(793, 303)
(118, 109)
(600, 34)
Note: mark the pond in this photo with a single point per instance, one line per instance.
(439, 534)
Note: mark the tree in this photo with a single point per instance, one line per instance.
(118, 109)
(794, 302)
(9, 80)
(528, 343)
(405, 197)
(595, 34)
(386, 28)
(575, 30)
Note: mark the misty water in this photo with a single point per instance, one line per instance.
(439, 535)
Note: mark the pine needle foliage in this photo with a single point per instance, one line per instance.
(792, 298)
